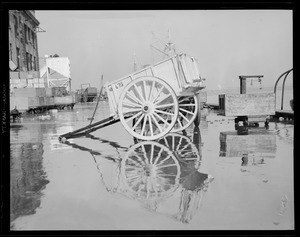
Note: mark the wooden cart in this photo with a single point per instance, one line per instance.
(154, 100)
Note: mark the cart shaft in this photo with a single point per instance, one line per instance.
(90, 128)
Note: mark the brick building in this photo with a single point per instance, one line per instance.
(23, 47)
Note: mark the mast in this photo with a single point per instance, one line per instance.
(166, 47)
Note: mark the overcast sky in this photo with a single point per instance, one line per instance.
(227, 43)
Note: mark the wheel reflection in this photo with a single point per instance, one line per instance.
(150, 170)
(182, 147)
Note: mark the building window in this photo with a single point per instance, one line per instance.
(18, 57)
(29, 34)
(31, 63)
(34, 63)
(32, 36)
(33, 39)
(27, 61)
(16, 26)
(25, 33)
(10, 51)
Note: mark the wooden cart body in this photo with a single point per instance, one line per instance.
(180, 72)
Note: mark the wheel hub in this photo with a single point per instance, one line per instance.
(147, 108)
(149, 171)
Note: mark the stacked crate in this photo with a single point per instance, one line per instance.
(31, 98)
(21, 98)
(36, 83)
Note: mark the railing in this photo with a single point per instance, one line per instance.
(285, 74)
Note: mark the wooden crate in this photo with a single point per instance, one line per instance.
(257, 104)
(49, 100)
(63, 100)
(14, 75)
(59, 91)
(23, 75)
(33, 101)
(40, 92)
(25, 92)
(41, 101)
(48, 91)
(20, 102)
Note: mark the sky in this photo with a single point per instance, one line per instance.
(226, 43)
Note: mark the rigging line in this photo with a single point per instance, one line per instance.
(96, 104)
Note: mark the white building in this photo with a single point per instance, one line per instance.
(56, 71)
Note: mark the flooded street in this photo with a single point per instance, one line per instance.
(195, 180)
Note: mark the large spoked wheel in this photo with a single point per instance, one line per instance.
(198, 116)
(188, 110)
(150, 171)
(152, 104)
(182, 147)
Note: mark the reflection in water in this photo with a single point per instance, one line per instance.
(28, 178)
(53, 137)
(153, 172)
(262, 144)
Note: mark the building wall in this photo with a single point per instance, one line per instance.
(23, 44)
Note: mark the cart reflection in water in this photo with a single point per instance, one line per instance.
(259, 143)
(162, 175)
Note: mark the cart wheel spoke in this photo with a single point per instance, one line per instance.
(145, 90)
(182, 116)
(161, 119)
(156, 123)
(132, 105)
(179, 122)
(150, 125)
(134, 98)
(187, 112)
(158, 94)
(164, 112)
(134, 116)
(184, 110)
(162, 99)
(162, 161)
(138, 122)
(144, 124)
(164, 106)
(138, 92)
(151, 91)
(186, 151)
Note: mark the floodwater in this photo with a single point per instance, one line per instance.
(196, 180)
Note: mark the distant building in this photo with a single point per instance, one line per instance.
(23, 45)
(55, 71)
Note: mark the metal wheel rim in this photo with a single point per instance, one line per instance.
(187, 112)
(152, 103)
(150, 170)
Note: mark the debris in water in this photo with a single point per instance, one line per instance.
(34, 147)
(265, 180)
(276, 222)
(243, 170)
(284, 202)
